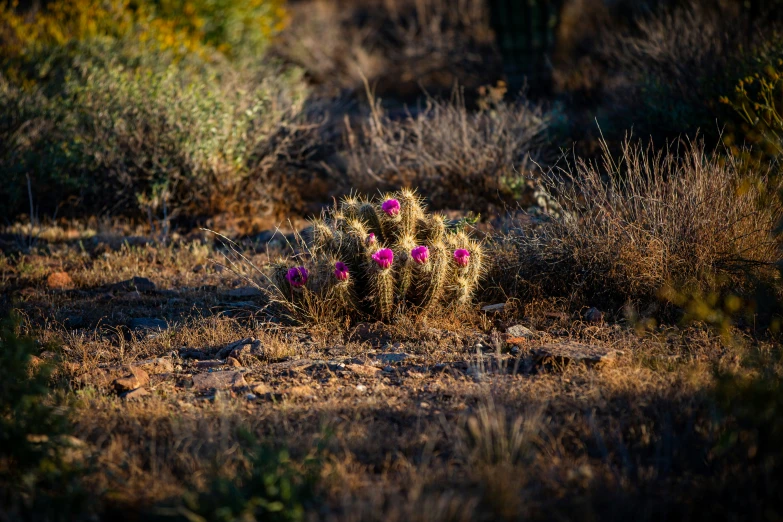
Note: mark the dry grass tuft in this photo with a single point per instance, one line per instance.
(678, 217)
(470, 160)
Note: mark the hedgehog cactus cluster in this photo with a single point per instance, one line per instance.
(378, 256)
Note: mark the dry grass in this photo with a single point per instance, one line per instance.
(678, 217)
(457, 158)
(453, 432)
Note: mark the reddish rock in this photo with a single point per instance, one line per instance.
(135, 378)
(59, 281)
(218, 381)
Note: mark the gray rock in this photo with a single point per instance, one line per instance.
(520, 331)
(204, 382)
(499, 307)
(391, 358)
(594, 315)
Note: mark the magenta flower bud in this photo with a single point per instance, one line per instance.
(384, 257)
(391, 207)
(341, 271)
(370, 239)
(297, 276)
(462, 257)
(420, 254)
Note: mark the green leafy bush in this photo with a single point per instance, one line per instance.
(39, 470)
(114, 137)
(271, 488)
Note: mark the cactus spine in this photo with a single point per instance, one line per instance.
(373, 257)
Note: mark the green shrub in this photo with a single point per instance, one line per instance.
(39, 472)
(271, 488)
(115, 137)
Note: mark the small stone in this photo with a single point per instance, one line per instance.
(594, 315)
(391, 358)
(251, 396)
(233, 362)
(135, 395)
(155, 366)
(209, 364)
(134, 378)
(520, 331)
(59, 281)
(570, 351)
(363, 369)
(499, 307)
(218, 381)
(361, 388)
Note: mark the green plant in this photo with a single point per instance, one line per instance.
(271, 488)
(40, 470)
(377, 257)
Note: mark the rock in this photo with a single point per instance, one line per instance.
(204, 382)
(233, 362)
(391, 358)
(520, 331)
(148, 324)
(59, 281)
(237, 348)
(291, 368)
(594, 315)
(499, 307)
(569, 351)
(155, 366)
(135, 395)
(134, 378)
(361, 388)
(209, 364)
(245, 291)
(364, 370)
(137, 284)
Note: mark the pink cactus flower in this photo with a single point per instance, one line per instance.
(420, 254)
(391, 207)
(341, 271)
(461, 257)
(297, 276)
(384, 257)
(370, 239)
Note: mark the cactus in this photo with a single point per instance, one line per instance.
(376, 257)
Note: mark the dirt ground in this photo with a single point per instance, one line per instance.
(524, 411)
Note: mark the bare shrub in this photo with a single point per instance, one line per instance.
(401, 44)
(470, 160)
(678, 217)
